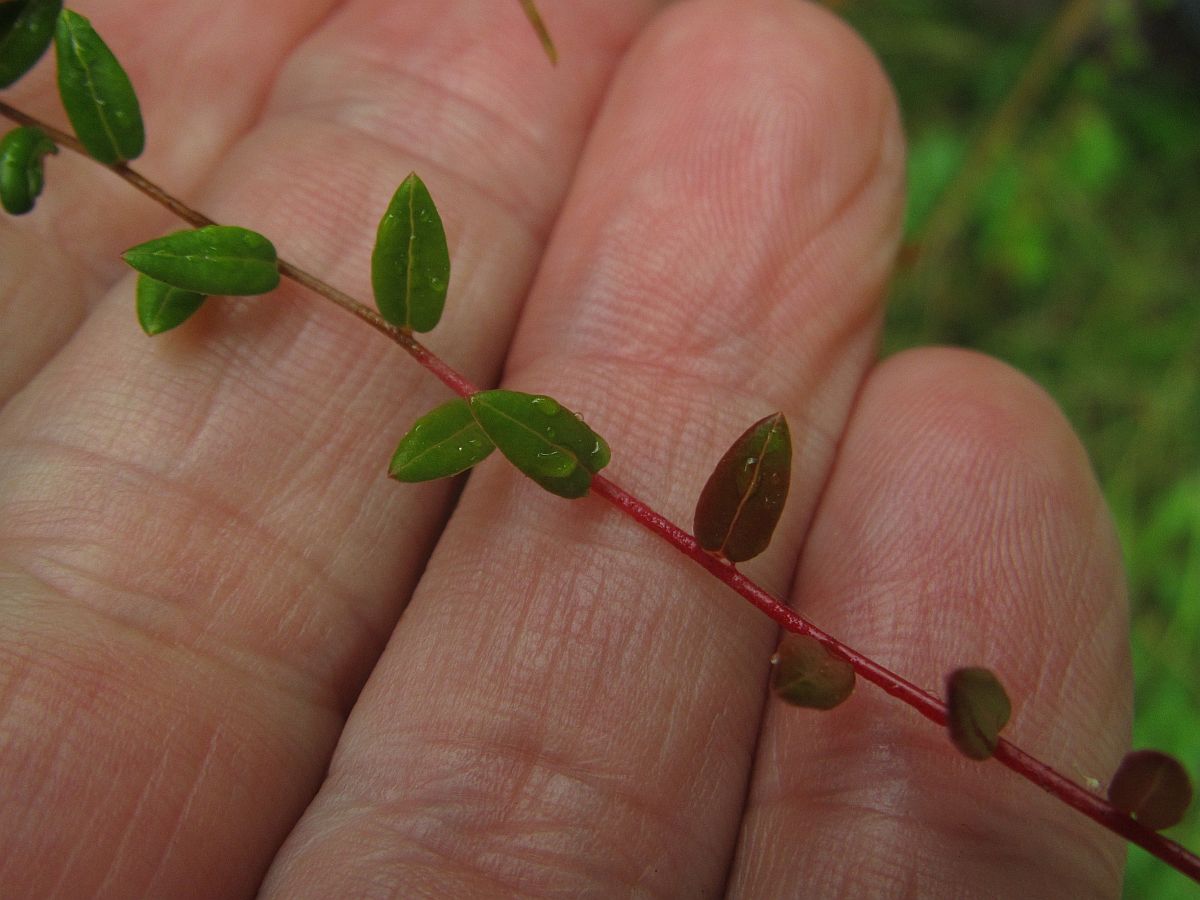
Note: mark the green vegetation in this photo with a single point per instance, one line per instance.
(1053, 220)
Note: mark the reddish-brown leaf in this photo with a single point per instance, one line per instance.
(806, 674)
(977, 708)
(1153, 787)
(743, 498)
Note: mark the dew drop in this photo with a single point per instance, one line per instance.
(546, 406)
(555, 464)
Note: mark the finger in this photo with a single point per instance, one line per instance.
(205, 556)
(566, 707)
(962, 526)
(201, 75)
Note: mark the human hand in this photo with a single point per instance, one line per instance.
(686, 225)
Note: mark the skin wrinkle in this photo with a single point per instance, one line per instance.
(148, 793)
(293, 678)
(530, 775)
(203, 770)
(244, 665)
(150, 483)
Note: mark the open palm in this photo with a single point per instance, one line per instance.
(235, 657)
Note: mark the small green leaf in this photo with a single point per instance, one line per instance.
(161, 307)
(543, 439)
(805, 674)
(26, 29)
(977, 709)
(217, 259)
(535, 19)
(96, 93)
(441, 443)
(410, 265)
(1152, 786)
(741, 503)
(21, 175)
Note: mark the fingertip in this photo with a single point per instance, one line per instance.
(961, 526)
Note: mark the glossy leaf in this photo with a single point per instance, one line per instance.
(26, 29)
(21, 175)
(1152, 786)
(805, 674)
(443, 442)
(539, 26)
(978, 708)
(410, 265)
(161, 307)
(96, 93)
(218, 259)
(542, 438)
(743, 498)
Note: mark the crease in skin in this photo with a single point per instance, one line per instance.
(129, 834)
(188, 617)
(439, 817)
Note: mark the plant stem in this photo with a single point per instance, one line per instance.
(928, 705)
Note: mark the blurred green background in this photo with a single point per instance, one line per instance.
(1054, 222)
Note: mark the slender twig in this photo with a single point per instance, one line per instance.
(1071, 24)
(922, 701)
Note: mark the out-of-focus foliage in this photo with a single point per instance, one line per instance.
(1069, 249)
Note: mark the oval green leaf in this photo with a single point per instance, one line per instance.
(410, 265)
(743, 498)
(977, 709)
(539, 27)
(96, 93)
(441, 443)
(217, 259)
(1153, 786)
(542, 438)
(21, 175)
(805, 674)
(161, 307)
(26, 29)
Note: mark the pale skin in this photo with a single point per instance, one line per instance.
(234, 656)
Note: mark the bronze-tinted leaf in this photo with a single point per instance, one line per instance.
(1152, 786)
(805, 674)
(743, 498)
(978, 708)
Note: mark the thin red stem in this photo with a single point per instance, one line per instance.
(927, 704)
